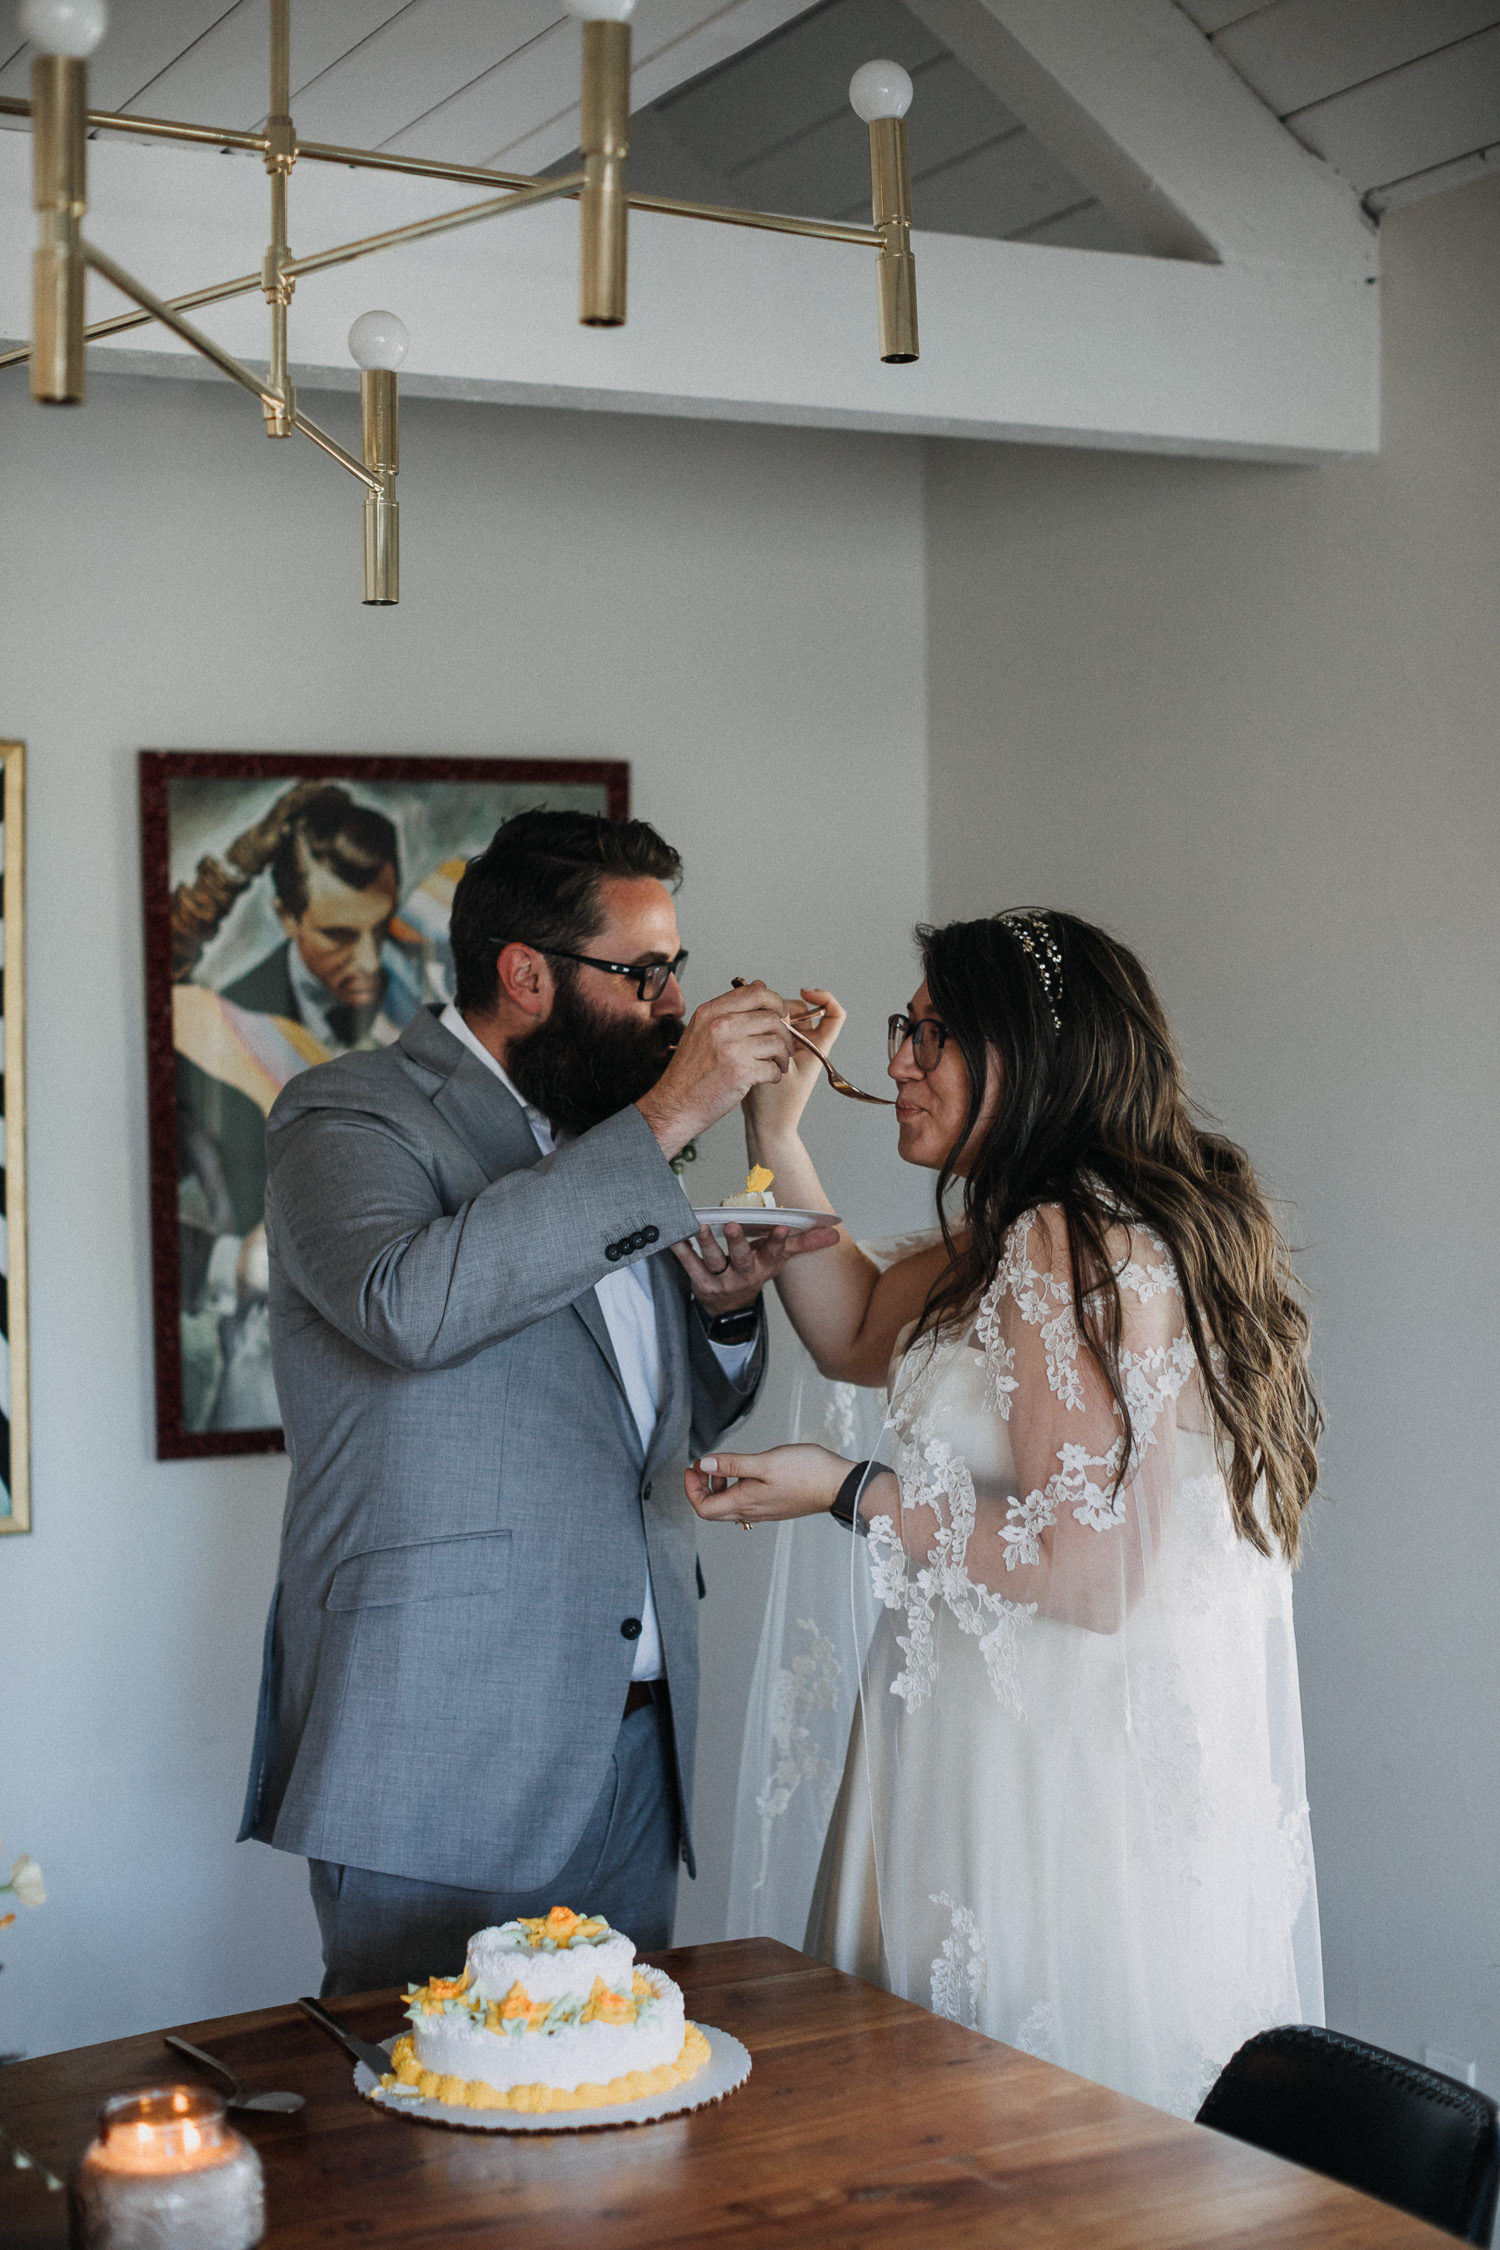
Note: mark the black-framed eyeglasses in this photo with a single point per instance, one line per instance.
(928, 1038)
(651, 977)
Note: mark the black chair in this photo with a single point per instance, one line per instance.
(1374, 2121)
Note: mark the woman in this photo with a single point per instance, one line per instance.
(1072, 1809)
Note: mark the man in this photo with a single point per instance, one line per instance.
(336, 983)
(480, 1688)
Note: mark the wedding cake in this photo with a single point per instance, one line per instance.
(549, 2013)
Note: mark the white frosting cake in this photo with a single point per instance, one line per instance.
(549, 2010)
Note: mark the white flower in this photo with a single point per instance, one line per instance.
(26, 1881)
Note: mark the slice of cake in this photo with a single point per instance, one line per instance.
(756, 1195)
(548, 2014)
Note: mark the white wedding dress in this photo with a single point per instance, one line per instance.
(1071, 1811)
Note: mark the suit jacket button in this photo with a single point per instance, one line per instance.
(631, 1628)
(645, 1491)
(612, 1250)
(651, 1234)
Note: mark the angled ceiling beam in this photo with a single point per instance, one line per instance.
(1131, 97)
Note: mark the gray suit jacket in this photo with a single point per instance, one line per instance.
(469, 1517)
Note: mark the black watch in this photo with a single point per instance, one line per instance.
(734, 1327)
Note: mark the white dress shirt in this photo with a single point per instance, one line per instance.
(630, 1316)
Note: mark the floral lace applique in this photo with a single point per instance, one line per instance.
(838, 1417)
(1044, 1301)
(957, 1982)
(1147, 1282)
(997, 1358)
(1040, 2034)
(1151, 1380)
(1296, 1867)
(806, 1685)
(935, 1478)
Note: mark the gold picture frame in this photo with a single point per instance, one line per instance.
(15, 1414)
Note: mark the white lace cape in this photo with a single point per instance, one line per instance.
(1046, 1718)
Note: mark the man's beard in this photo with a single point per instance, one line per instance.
(579, 1067)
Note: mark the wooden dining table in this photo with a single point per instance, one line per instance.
(864, 2120)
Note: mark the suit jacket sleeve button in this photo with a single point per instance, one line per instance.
(612, 1250)
(631, 1628)
(651, 1234)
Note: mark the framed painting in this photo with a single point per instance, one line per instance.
(15, 1421)
(296, 909)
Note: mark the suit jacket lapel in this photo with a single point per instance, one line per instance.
(591, 1313)
(671, 1334)
(492, 1125)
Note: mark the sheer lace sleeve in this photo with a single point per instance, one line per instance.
(1018, 1492)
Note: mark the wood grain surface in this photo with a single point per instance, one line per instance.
(865, 2120)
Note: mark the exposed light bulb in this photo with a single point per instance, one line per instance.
(601, 11)
(378, 339)
(64, 27)
(880, 89)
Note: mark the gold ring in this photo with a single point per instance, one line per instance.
(745, 1526)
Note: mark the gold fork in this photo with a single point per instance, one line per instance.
(836, 1079)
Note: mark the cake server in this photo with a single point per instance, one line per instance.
(373, 2058)
(281, 2105)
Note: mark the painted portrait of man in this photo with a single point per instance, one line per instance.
(308, 919)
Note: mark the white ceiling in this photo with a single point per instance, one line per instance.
(1402, 97)
(772, 130)
(1252, 331)
(745, 103)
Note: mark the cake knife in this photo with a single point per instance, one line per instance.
(373, 2058)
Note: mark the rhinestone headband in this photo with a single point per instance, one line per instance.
(1034, 936)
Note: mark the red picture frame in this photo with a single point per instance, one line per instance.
(432, 804)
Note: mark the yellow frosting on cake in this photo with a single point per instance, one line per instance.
(473, 2093)
(758, 1179)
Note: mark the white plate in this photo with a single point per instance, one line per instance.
(728, 2066)
(796, 1222)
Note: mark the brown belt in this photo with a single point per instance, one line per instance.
(642, 1692)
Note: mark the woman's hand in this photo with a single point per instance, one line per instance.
(751, 1488)
(773, 1112)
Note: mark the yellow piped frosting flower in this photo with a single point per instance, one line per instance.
(564, 1928)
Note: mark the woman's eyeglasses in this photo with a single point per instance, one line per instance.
(928, 1038)
(651, 977)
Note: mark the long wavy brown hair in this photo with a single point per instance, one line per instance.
(1094, 1117)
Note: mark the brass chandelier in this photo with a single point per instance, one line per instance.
(65, 32)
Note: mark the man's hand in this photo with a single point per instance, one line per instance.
(725, 1288)
(730, 1044)
(750, 1488)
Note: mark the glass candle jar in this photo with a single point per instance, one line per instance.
(167, 2173)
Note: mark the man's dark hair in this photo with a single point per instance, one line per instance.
(538, 883)
(352, 841)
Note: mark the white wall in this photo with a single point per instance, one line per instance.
(737, 611)
(1246, 718)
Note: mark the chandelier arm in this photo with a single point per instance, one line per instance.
(242, 286)
(158, 309)
(153, 128)
(464, 175)
(420, 167)
(344, 253)
(822, 230)
(336, 452)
